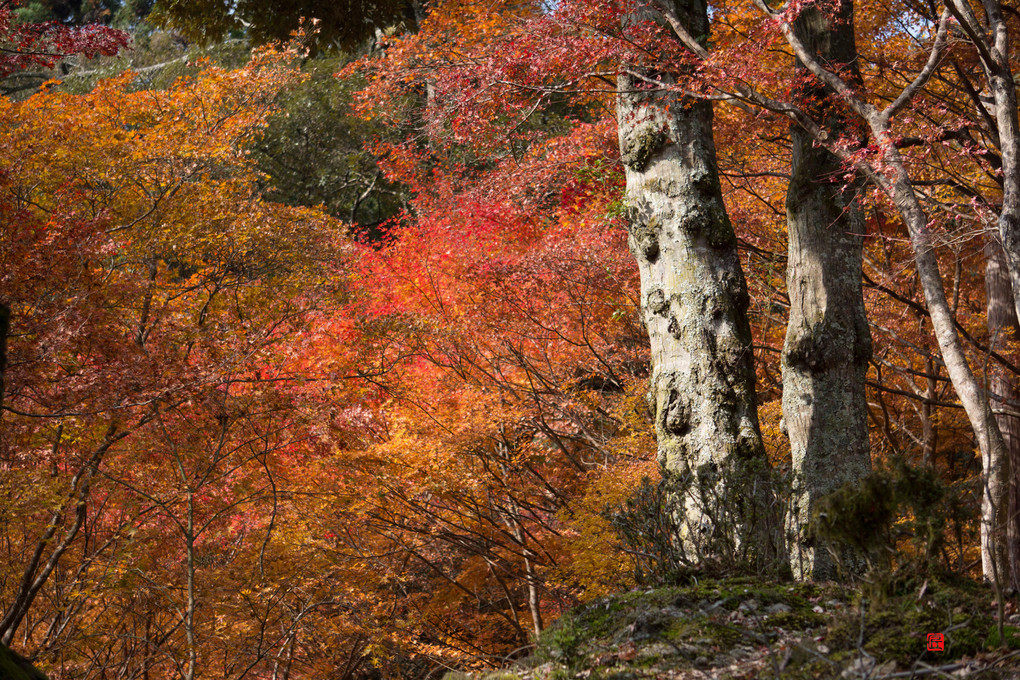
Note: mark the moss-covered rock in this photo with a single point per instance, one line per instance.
(896, 627)
(14, 667)
(746, 628)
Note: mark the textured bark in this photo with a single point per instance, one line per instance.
(1003, 329)
(828, 342)
(694, 303)
(999, 74)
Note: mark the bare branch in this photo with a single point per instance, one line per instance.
(938, 50)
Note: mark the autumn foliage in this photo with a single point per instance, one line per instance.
(240, 439)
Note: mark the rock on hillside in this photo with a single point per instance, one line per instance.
(742, 628)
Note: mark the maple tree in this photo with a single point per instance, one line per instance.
(42, 43)
(27, 44)
(184, 283)
(509, 317)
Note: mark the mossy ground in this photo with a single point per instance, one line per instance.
(743, 628)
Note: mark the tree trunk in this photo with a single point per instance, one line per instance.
(5, 327)
(828, 343)
(999, 74)
(189, 611)
(694, 303)
(1003, 328)
(972, 395)
(929, 435)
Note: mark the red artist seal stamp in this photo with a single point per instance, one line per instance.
(936, 642)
